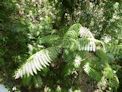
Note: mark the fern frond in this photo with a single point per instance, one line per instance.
(70, 43)
(85, 33)
(37, 61)
(70, 39)
(110, 74)
(93, 73)
(114, 49)
(86, 44)
(73, 31)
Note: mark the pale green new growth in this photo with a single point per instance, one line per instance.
(37, 61)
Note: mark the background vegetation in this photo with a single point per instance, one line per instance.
(61, 45)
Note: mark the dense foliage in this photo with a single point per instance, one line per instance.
(61, 45)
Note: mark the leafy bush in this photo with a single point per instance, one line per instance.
(61, 45)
